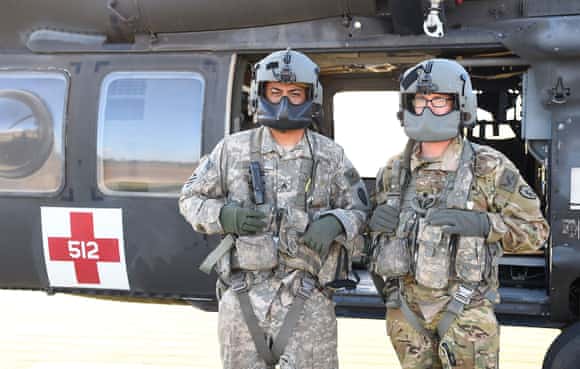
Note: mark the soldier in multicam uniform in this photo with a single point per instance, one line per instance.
(445, 210)
(291, 206)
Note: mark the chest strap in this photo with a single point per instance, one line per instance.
(458, 196)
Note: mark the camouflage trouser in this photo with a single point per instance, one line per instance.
(472, 341)
(313, 341)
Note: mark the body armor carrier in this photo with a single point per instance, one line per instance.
(423, 251)
(280, 248)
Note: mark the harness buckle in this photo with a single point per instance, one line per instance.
(463, 294)
(239, 283)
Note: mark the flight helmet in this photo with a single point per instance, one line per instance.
(288, 66)
(437, 76)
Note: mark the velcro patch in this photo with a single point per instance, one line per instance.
(352, 176)
(485, 163)
(527, 192)
(508, 180)
(410, 78)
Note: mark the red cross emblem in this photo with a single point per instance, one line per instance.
(83, 249)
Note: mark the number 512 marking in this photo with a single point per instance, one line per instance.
(83, 250)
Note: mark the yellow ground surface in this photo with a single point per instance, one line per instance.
(71, 332)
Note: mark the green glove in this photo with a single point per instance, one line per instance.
(321, 233)
(384, 219)
(241, 221)
(468, 223)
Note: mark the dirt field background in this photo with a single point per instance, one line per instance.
(70, 332)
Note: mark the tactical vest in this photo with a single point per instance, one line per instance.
(281, 246)
(432, 257)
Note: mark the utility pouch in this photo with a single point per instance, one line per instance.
(293, 224)
(494, 253)
(470, 259)
(223, 267)
(337, 267)
(392, 256)
(258, 252)
(433, 256)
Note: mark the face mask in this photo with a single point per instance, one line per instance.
(429, 127)
(284, 115)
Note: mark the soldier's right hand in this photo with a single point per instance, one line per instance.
(241, 221)
(384, 219)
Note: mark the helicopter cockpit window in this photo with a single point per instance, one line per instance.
(149, 132)
(366, 126)
(32, 115)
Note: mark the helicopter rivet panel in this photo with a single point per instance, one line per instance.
(84, 247)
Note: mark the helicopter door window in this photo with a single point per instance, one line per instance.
(366, 126)
(32, 116)
(149, 132)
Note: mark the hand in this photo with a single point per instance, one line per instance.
(468, 223)
(241, 221)
(321, 233)
(384, 219)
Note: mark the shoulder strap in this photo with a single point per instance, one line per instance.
(256, 145)
(307, 166)
(459, 195)
(399, 176)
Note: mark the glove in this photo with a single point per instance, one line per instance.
(468, 223)
(384, 219)
(241, 221)
(321, 233)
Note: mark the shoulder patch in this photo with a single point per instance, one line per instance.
(508, 180)
(392, 175)
(352, 176)
(485, 163)
(205, 164)
(527, 192)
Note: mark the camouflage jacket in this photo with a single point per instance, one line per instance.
(498, 189)
(312, 179)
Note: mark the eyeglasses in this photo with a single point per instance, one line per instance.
(420, 102)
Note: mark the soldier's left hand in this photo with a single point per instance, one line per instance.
(321, 233)
(468, 223)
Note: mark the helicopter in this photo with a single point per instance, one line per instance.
(107, 106)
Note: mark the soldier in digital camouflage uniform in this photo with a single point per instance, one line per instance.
(445, 210)
(289, 242)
